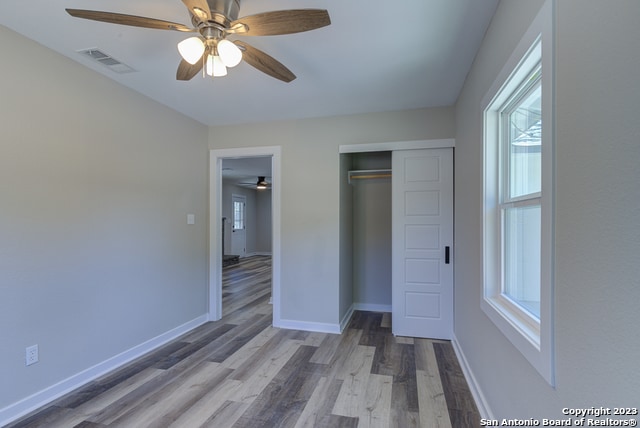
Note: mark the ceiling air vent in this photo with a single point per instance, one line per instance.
(106, 60)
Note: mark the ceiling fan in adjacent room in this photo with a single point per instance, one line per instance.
(261, 184)
(214, 20)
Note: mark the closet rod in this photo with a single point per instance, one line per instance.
(369, 174)
(372, 176)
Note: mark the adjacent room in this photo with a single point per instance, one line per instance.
(314, 213)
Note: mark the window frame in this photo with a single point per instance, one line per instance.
(532, 337)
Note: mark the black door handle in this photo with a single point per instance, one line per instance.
(446, 255)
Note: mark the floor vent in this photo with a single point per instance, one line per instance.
(106, 60)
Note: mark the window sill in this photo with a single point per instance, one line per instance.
(517, 319)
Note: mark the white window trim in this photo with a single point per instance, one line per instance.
(535, 340)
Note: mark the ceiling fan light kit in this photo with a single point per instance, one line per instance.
(214, 20)
(262, 183)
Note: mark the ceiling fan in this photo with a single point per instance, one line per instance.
(214, 20)
(261, 184)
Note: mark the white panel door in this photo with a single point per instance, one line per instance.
(238, 225)
(422, 223)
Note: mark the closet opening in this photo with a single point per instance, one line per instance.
(366, 230)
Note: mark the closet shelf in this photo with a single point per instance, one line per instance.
(367, 174)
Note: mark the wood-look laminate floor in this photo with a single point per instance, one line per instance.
(241, 372)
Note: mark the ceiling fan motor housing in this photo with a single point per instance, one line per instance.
(223, 11)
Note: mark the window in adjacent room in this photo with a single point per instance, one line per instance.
(238, 215)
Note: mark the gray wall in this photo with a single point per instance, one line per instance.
(310, 280)
(263, 221)
(96, 182)
(597, 241)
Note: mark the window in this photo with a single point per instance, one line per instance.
(238, 215)
(519, 143)
(518, 202)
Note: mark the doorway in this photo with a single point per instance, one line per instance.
(216, 216)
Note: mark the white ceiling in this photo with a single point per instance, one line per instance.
(375, 56)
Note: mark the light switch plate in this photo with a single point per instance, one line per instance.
(191, 219)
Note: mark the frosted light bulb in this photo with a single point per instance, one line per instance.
(219, 68)
(229, 53)
(191, 49)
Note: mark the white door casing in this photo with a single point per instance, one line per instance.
(422, 243)
(238, 225)
(216, 157)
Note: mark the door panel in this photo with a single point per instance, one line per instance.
(422, 221)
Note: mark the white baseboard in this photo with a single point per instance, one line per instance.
(308, 326)
(373, 307)
(481, 402)
(41, 398)
(327, 327)
(347, 317)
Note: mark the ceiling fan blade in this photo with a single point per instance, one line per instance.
(265, 63)
(187, 71)
(282, 22)
(132, 20)
(199, 9)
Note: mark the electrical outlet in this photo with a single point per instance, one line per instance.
(32, 355)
